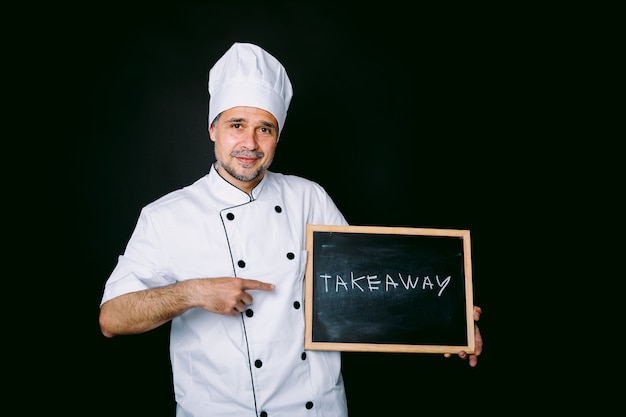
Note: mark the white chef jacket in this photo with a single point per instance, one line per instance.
(253, 364)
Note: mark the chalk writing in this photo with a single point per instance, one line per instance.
(373, 283)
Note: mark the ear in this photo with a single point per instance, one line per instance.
(212, 132)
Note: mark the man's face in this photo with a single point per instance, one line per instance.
(245, 141)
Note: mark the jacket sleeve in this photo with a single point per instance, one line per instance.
(139, 267)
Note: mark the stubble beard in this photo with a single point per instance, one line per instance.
(232, 171)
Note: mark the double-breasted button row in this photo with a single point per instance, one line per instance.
(250, 312)
(242, 264)
(231, 216)
(308, 406)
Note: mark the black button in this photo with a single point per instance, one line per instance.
(263, 414)
(249, 312)
(278, 209)
(309, 405)
(303, 356)
(258, 363)
(230, 216)
(290, 255)
(241, 264)
(296, 304)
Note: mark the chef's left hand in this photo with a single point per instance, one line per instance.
(478, 341)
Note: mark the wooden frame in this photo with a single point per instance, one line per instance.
(342, 340)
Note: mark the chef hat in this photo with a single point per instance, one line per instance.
(246, 75)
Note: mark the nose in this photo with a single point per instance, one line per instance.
(249, 139)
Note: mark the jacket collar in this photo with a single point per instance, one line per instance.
(227, 194)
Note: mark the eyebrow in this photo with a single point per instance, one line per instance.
(243, 119)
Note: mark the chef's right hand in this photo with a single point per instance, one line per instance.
(227, 295)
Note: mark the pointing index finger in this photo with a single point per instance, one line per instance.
(253, 284)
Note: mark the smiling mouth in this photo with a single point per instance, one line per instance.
(246, 161)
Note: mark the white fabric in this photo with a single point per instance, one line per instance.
(188, 234)
(246, 75)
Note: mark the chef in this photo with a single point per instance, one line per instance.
(224, 260)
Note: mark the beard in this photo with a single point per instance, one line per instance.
(232, 168)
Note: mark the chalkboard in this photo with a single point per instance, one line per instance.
(388, 289)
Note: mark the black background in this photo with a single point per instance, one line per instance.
(415, 117)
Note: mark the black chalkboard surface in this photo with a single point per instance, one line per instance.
(388, 289)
